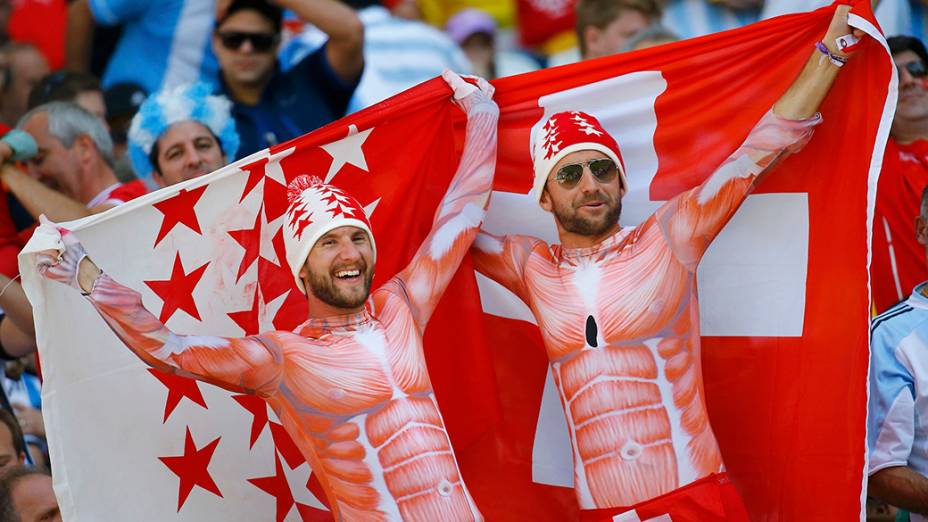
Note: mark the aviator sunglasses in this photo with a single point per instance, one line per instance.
(603, 170)
(916, 69)
(260, 42)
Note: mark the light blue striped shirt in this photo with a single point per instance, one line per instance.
(692, 18)
(897, 428)
(164, 43)
(398, 54)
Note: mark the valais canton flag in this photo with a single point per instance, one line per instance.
(783, 292)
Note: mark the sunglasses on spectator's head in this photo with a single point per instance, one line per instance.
(916, 69)
(260, 42)
(603, 169)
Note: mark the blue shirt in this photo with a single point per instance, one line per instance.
(398, 54)
(293, 103)
(897, 425)
(692, 18)
(903, 17)
(164, 43)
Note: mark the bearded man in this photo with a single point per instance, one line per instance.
(350, 384)
(617, 306)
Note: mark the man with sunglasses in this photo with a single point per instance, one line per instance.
(272, 106)
(898, 262)
(617, 306)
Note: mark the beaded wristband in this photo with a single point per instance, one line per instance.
(837, 61)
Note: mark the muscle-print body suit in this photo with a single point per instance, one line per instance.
(620, 323)
(353, 391)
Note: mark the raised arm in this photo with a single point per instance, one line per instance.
(245, 365)
(461, 211)
(502, 259)
(691, 220)
(345, 47)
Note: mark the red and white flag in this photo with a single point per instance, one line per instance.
(783, 292)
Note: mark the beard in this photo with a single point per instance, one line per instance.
(323, 287)
(567, 215)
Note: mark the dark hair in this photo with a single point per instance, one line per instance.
(273, 13)
(898, 44)
(62, 86)
(9, 479)
(16, 432)
(153, 155)
(601, 13)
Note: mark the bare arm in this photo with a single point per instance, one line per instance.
(804, 96)
(79, 36)
(345, 47)
(39, 199)
(900, 486)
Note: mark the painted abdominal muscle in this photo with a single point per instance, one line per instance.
(625, 356)
(364, 414)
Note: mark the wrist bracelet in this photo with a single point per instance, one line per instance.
(837, 61)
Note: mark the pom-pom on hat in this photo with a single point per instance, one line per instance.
(567, 132)
(315, 208)
(165, 108)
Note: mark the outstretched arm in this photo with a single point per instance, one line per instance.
(691, 220)
(245, 365)
(461, 211)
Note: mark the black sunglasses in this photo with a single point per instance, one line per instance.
(603, 169)
(916, 69)
(260, 42)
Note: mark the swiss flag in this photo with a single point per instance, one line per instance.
(783, 292)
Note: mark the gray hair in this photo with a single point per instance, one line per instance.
(67, 121)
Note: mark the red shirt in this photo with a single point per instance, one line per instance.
(899, 261)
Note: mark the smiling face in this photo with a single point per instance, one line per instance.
(185, 151)
(588, 212)
(339, 270)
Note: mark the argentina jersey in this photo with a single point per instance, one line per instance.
(896, 434)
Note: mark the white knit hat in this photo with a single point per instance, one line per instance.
(567, 132)
(314, 209)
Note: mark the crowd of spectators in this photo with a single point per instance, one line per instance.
(102, 101)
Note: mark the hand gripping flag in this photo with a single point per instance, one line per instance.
(783, 292)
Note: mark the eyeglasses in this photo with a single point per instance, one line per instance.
(916, 69)
(260, 42)
(603, 170)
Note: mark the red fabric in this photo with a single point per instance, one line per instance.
(128, 191)
(898, 262)
(711, 499)
(10, 242)
(539, 20)
(574, 128)
(42, 23)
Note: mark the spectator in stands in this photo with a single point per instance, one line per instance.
(181, 134)
(80, 88)
(71, 164)
(898, 262)
(164, 43)
(603, 26)
(12, 447)
(122, 103)
(475, 31)
(272, 106)
(399, 53)
(22, 66)
(897, 431)
(27, 496)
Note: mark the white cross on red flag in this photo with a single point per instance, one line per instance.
(784, 357)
